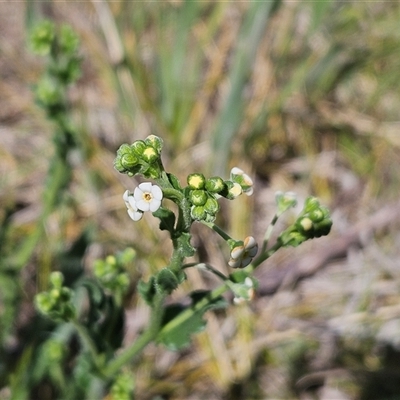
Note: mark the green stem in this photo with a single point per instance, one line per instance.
(268, 232)
(147, 336)
(206, 267)
(264, 255)
(86, 340)
(220, 232)
(189, 312)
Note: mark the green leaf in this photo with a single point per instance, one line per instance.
(178, 330)
(147, 290)
(174, 181)
(167, 219)
(166, 280)
(186, 249)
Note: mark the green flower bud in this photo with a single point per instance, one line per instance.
(196, 181)
(129, 160)
(112, 261)
(56, 279)
(323, 228)
(211, 206)
(198, 197)
(150, 154)
(284, 201)
(44, 303)
(127, 256)
(215, 184)
(316, 215)
(311, 204)
(138, 147)
(55, 294)
(48, 92)
(198, 213)
(122, 281)
(155, 142)
(304, 225)
(234, 190)
(42, 38)
(69, 40)
(209, 217)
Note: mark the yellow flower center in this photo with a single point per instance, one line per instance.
(147, 197)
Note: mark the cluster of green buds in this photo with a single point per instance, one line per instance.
(61, 45)
(313, 221)
(56, 303)
(203, 193)
(141, 157)
(111, 272)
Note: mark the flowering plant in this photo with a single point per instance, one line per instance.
(99, 365)
(197, 202)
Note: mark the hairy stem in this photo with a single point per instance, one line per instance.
(144, 339)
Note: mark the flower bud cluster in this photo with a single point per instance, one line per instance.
(141, 157)
(111, 271)
(203, 193)
(243, 254)
(57, 302)
(314, 221)
(61, 45)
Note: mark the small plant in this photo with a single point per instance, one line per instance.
(198, 201)
(91, 308)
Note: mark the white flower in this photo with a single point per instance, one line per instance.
(130, 203)
(147, 197)
(244, 180)
(241, 256)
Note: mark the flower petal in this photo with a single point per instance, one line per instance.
(234, 263)
(126, 195)
(252, 252)
(237, 252)
(237, 171)
(145, 186)
(138, 194)
(249, 242)
(154, 205)
(246, 261)
(132, 203)
(157, 192)
(143, 205)
(248, 192)
(135, 215)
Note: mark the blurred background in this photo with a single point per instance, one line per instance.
(304, 96)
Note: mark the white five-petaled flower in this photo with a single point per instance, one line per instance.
(146, 197)
(241, 256)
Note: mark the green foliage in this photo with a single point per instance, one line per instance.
(176, 332)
